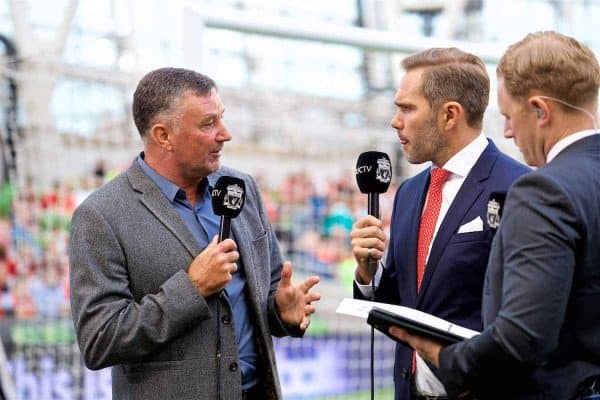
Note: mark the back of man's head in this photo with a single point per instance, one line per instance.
(159, 90)
(551, 64)
(451, 74)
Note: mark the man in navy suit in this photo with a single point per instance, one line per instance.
(440, 237)
(542, 288)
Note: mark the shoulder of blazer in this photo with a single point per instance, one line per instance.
(415, 181)
(567, 169)
(510, 164)
(139, 181)
(104, 196)
(572, 154)
(411, 188)
(497, 165)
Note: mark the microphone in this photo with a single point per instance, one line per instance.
(228, 198)
(373, 176)
(495, 207)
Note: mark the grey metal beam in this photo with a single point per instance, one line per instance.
(368, 39)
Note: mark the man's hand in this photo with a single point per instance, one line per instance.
(368, 240)
(213, 268)
(428, 349)
(294, 302)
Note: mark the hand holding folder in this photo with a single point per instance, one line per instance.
(382, 316)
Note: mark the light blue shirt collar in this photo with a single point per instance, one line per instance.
(169, 189)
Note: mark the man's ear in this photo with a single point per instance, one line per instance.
(541, 109)
(160, 134)
(451, 112)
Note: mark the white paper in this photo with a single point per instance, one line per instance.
(361, 308)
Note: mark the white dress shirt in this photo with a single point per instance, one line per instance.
(459, 165)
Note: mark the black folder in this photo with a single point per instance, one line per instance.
(382, 320)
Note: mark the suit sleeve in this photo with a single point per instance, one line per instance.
(112, 328)
(536, 245)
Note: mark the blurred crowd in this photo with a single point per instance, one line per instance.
(312, 222)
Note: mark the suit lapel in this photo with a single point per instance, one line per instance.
(241, 237)
(156, 202)
(411, 238)
(468, 194)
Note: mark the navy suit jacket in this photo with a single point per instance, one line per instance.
(542, 289)
(453, 281)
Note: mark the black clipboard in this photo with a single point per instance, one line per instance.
(382, 320)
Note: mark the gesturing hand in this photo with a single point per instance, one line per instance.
(294, 302)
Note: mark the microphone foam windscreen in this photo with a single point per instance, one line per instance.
(373, 172)
(228, 196)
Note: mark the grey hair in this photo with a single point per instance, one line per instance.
(159, 91)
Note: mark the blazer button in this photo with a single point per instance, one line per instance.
(226, 319)
(233, 366)
(404, 373)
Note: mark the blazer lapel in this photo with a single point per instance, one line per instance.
(156, 202)
(412, 236)
(241, 237)
(468, 194)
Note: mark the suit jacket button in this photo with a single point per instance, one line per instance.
(404, 373)
(226, 319)
(233, 366)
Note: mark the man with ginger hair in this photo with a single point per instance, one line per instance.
(540, 302)
(439, 237)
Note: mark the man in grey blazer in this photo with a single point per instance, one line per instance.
(541, 337)
(177, 314)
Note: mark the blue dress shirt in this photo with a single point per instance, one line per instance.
(204, 225)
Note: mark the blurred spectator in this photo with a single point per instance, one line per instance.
(48, 292)
(6, 300)
(339, 217)
(23, 303)
(100, 172)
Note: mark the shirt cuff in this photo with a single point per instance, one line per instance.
(367, 290)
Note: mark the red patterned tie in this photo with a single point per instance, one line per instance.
(429, 219)
(427, 227)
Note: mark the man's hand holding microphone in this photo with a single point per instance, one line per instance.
(214, 267)
(368, 244)
(373, 175)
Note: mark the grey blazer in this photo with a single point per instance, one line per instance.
(135, 309)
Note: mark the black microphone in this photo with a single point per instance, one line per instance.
(495, 207)
(373, 175)
(228, 198)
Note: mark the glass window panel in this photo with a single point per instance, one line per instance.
(84, 108)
